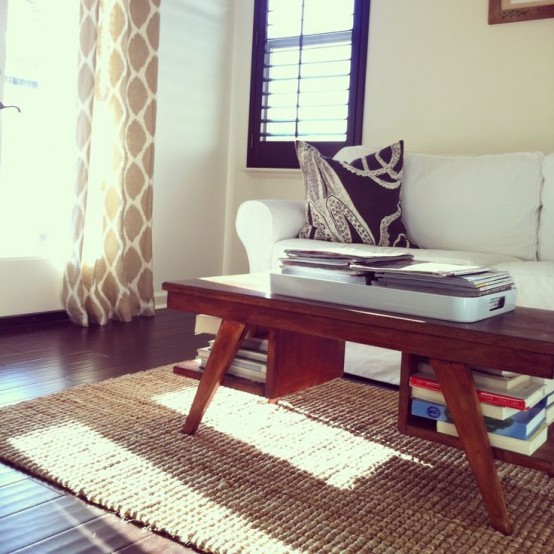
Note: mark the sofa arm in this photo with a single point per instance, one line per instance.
(262, 223)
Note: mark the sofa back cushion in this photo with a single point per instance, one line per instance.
(477, 203)
(484, 204)
(546, 224)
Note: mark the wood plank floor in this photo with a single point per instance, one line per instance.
(45, 356)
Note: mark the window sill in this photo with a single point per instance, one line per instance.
(274, 172)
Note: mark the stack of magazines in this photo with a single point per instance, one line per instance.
(439, 278)
(344, 266)
(396, 271)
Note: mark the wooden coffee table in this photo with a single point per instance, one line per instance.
(306, 347)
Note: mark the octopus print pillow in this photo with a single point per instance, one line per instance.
(356, 202)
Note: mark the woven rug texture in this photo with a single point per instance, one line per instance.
(321, 471)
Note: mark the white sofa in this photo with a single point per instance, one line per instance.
(494, 210)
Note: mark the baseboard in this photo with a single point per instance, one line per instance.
(160, 300)
(13, 322)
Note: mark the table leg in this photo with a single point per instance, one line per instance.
(457, 385)
(227, 342)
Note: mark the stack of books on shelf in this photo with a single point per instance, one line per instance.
(251, 359)
(249, 363)
(517, 408)
(549, 387)
(334, 266)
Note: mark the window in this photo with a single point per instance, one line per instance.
(38, 60)
(308, 77)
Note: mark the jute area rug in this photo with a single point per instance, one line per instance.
(324, 470)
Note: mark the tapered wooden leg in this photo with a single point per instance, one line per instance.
(227, 342)
(457, 385)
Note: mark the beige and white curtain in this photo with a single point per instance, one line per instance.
(110, 273)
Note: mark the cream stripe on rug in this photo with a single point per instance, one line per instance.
(322, 471)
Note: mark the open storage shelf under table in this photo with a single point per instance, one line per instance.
(542, 459)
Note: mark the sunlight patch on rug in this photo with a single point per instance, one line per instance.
(74, 446)
(323, 470)
(303, 442)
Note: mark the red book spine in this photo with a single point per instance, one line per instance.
(424, 382)
(488, 397)
(501, 400)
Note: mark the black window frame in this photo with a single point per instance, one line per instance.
(281, 154)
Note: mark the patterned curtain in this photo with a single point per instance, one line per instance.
(110, 273)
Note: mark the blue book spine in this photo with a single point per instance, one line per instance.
(520, 426)
(429, 410)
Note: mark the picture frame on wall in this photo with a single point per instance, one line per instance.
(510, 11)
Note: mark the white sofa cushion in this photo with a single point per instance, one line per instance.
(479, 203)
(372, 362)
(502, 192)
(546, 226)
(534, 282)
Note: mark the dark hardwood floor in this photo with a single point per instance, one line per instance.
(45, 355)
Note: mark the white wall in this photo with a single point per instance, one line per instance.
(191, 139)
(438, 77)
(444, 80)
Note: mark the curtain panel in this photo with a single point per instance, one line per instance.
(109, 275)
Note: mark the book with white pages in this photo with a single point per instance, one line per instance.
(547, 383)
(207, 324)
(256, 343)
(482, 378)
(550, 410)
(520, 426)
(523, 396)
(234, 369)
(489, 410)
(252, 365)
(522, 446)
(258, 355)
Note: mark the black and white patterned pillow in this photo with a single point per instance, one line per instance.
(356, 202)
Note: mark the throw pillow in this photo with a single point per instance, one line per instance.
(357, 202)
